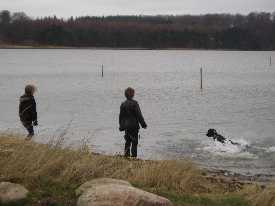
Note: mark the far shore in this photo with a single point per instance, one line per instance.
(18, 46)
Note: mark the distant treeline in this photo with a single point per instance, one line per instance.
(255, 31)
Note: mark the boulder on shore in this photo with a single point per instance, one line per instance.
(100, 181)
(12, 193)
(118, 193)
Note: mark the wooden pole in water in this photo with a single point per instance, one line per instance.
(270, 61)
(201, 76)
(102, 71)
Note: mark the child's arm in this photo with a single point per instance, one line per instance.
(34, 112)
(140, 117)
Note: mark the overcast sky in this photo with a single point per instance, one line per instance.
(67, 8)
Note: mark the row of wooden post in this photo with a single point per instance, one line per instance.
(201, 72)
(201, 76)
(102, 73)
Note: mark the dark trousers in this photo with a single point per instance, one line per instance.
(131, 138)
(29, 128)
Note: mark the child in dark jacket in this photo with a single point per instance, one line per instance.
(130, 118)
(27, 110)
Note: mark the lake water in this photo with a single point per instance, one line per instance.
(74, 102)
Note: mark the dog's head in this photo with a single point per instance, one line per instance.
(211, 132)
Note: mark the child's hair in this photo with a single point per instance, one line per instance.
(129, 93)
(30, 89)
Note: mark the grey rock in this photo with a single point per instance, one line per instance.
(112, 194)
(12, 193)
(100, 181)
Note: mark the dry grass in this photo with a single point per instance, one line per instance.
(34, 164)
(28, 160)
(260, 196)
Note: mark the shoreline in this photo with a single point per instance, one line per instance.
(261, 179)
(42, 47)
(60, 171)
(210, 173)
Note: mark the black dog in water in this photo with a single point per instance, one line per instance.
(213, 133)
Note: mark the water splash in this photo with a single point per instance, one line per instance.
(230, 150)
(270, 149)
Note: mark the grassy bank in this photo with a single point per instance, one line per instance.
(52, 173)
